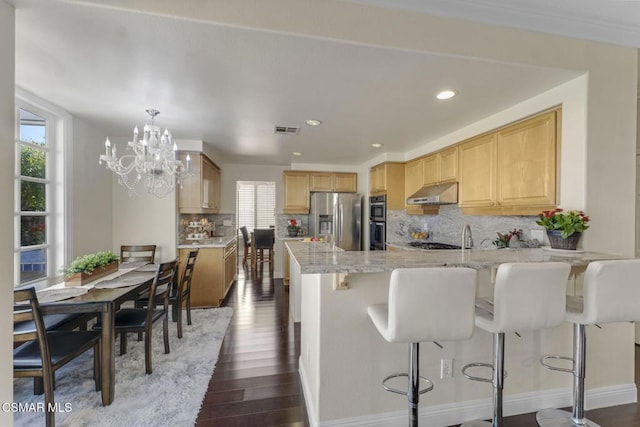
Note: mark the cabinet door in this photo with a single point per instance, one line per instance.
(373, 184)
(412, 177)
(448, 162)
(216, 189)
(345, 182)
(190, 195)
(296, 192)
(430, 170)
(478, 172)
(321, 181)
(229, 266)
(207, 184)
(527, 163)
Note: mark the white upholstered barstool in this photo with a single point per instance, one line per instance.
(425, 305)
(527, 297)
(610, 293)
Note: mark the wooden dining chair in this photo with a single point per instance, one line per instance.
(247, 255)
(181, 295)
(138, 253)
(42, 353)
(141, 319)
(263, 240)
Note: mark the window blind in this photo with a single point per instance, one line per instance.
(256, 204)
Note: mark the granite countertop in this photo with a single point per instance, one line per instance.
(320, 258)
(214, 242)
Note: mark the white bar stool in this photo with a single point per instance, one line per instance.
(425, 305)
(527, 297)
(611, 293)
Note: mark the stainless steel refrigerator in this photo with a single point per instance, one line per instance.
(338, 218)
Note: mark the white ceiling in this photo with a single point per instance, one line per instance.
(229, 86)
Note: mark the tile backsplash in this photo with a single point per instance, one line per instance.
(447, 226)
(223, 224)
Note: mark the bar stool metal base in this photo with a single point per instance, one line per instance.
(560, 418)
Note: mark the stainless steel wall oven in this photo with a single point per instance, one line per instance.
(377, 223)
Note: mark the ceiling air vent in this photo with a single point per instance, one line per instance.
(286, 130)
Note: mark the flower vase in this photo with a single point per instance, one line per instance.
(557, 242)
(293, 232)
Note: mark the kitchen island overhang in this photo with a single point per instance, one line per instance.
(343, 358)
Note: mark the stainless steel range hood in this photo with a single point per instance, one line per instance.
(443, 194)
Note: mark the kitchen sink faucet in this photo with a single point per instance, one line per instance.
(467, 240)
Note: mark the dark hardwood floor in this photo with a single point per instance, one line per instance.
(256, 382)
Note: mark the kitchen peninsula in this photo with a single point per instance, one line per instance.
(343, 359)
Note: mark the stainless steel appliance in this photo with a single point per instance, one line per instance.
(443, 194)
(378, 208)
(338, 218)
(378, 223)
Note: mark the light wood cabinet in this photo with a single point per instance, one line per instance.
(213, 274)
(430, 170)
(478, 172)
(448, 165)
(440, 167)
(201, 192)
(388, 179)
(510, 171)
(527, 163)
(341, 182)
(345, 182)
(296, 192)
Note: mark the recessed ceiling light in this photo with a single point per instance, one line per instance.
(446, 94)
(297, 153)
(377, 145)
(313, 122)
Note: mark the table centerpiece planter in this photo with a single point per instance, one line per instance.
(557, 242)
(89, 268)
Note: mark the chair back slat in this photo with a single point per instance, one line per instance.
(161, 285)
(187, 273)
(27, 308)
(138, 253)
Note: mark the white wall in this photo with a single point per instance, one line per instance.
(144, 220)
(7, 136)
(92, 218)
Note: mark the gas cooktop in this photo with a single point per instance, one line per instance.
(433, 245)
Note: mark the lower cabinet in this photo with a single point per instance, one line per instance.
(213, 274)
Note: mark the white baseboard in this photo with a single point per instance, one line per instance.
(311, 408)
(456, 413)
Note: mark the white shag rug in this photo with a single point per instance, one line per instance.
(170, 396)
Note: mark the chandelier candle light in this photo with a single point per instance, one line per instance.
(154, 161)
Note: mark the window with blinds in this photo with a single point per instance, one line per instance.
(256, 204)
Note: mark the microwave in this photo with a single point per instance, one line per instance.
(377, 208)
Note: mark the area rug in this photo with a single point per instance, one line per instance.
(170, 396)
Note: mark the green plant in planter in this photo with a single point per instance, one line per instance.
(87, 263)
(567, 223)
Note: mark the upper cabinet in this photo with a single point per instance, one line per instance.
(511, 171)
(388, 179)
(298, 186)
(341, 182)
(440, 167)
(201, 192)
(296, 192)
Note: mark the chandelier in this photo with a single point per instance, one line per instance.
(153, 163)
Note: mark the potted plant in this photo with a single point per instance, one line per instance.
(292, 228)
(503, 239)
(90, 267)
(564, 228)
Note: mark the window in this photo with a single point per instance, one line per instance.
(256, 204)
(38, 229)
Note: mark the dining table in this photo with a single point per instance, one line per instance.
(104, 301)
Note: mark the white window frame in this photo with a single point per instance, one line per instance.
(58, 151)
